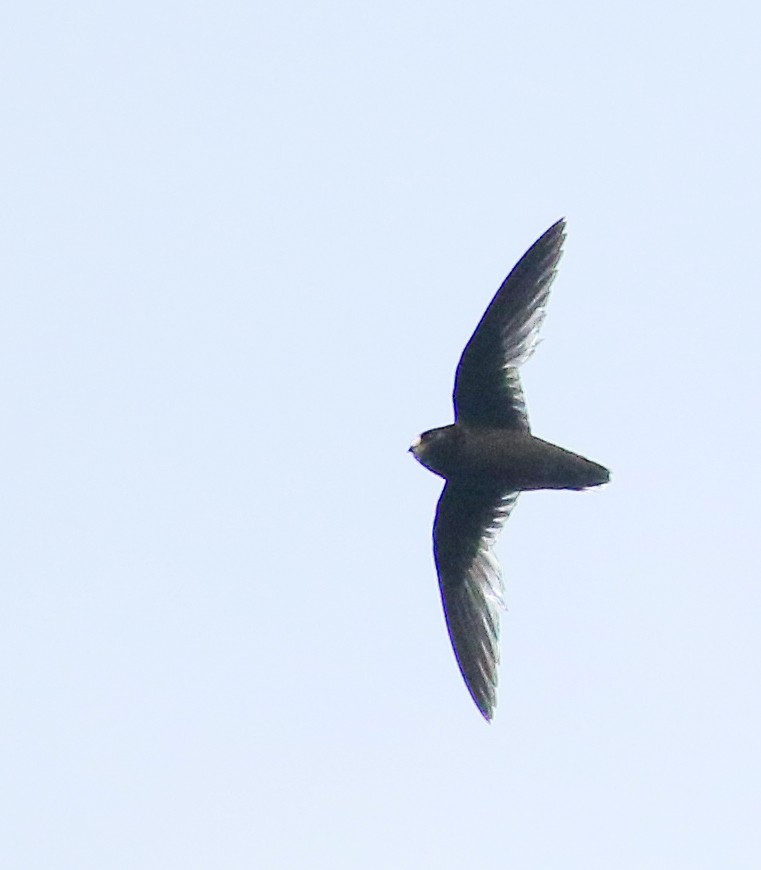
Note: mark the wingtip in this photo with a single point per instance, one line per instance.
(548, 247)
(484, 696)
(558, 229)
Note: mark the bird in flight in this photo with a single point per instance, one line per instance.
(487, 457)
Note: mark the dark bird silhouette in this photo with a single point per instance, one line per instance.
(487, 457)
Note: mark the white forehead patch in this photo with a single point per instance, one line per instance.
(415, 442)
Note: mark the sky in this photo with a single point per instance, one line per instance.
(243, 247)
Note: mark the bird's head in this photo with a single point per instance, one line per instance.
(432, 448)
(420, 444)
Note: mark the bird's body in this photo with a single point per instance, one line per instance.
(487, 457)
(516, 460)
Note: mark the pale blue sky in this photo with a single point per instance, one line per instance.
(243, 247)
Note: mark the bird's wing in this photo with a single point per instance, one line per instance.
(467, 522)
(487, 388)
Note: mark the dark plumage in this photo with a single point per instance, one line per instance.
(487, 456)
